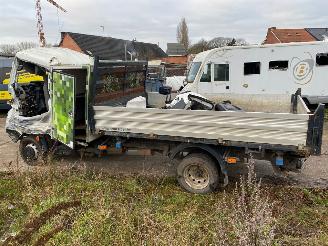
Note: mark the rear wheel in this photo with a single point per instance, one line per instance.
(198, 173)
(30, 150)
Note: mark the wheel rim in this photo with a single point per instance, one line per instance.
(31, 152)
(196, 176)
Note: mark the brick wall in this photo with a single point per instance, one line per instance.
(175, 59)
(69, 43)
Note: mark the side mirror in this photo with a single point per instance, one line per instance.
(165, 90)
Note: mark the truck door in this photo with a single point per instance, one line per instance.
(205, 82)
(63, 102)
(221, 79)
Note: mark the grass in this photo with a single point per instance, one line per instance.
(80, 208)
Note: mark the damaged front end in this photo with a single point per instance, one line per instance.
(17, 126)
(30, 113)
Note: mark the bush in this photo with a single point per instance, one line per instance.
(251, 219)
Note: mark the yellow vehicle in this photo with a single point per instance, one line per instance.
(5, 67)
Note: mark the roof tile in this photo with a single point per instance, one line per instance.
(114, 49)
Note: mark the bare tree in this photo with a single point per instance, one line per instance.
(26, 45)
(203, 45)
(12, 49)
(198, 47)
(8, 49)
(224, 41)
(183, 33)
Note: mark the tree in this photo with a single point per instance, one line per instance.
(232, 43)
(183, 33)
(12, 49)
(198, 47)
(203, 45)
(8, 49)
(224, 41)
(26, 45)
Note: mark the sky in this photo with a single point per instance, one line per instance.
(156, 21)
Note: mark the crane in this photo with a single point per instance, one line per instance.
(42, 38)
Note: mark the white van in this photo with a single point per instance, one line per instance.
(262, 76)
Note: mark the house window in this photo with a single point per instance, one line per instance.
(221, 72)
(322, 59)
(278, 65)
(252, 68)
(206, 77)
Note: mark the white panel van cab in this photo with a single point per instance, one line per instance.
(262, 76)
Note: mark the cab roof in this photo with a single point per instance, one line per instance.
(206, 54)
(55, 56)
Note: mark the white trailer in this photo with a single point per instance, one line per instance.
(262, 77)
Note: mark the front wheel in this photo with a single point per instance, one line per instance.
(30, 150)
(198, 173)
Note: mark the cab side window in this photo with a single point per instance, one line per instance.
(322, 59)
(278, 65)
(206, 77)
(252, 68)
(221, 72)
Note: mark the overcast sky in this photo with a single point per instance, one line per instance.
(155, 21)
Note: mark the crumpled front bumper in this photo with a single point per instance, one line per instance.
(17, 126)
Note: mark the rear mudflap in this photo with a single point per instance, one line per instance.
(315, 130)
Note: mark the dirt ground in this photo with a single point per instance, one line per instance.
(313, 174)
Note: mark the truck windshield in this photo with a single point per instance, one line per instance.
(193, 71)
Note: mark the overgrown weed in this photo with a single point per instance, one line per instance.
(120, 210)
(252, 218)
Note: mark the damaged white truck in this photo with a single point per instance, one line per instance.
(93, 105)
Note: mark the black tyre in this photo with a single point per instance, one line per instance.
(30, 150)
(198, 173)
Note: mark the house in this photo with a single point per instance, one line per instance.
(177, 54)
(176, 61)
(275, 35)
(319, 34)
(175, 49)
(110, 48)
